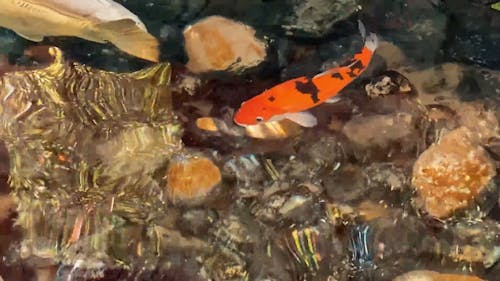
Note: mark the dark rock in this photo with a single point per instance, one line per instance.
(418, 27)
(316, 18)
(473, 33)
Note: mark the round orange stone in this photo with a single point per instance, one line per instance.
(191, 179)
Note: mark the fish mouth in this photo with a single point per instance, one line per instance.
(235, 121)
(239, 124)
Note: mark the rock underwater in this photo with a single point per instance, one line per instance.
(85, 146)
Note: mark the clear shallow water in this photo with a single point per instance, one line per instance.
(290, 209)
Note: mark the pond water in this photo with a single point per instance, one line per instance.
(128, 154)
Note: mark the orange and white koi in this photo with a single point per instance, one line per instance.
(291, 99)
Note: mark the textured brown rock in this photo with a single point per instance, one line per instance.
(450, 174)
(482, 121)
(217, 43)
(190, 179)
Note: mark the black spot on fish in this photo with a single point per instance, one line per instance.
(357, 65)
(337, 75)
(308, 88)
(348, 62)
(271, 98)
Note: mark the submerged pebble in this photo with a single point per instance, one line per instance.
(190, 179)
(427, 275)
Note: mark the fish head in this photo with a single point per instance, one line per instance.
(255, 111)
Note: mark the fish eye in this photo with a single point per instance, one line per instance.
(259, 119)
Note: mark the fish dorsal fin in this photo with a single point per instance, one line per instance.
(362, 29)
(159, 74)
(31, 37)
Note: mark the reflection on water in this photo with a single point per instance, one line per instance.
(117, 167)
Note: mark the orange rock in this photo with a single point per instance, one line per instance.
(427, 275)
(191, 178)
(207, 124)
(450, 174)
(218, 43)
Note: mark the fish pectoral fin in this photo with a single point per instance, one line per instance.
(303, 118)
(333, 99)
(31, 37)
(130, 38)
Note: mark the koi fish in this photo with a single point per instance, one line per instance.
(291, 99)
(94, 20)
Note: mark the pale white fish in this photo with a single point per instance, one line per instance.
(94, 20)
(103, 10)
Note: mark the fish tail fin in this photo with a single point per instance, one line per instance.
(159, 74)
(130, 38)
(371, 41)
(362, 29)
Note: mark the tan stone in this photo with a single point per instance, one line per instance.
(392, 54)
(218, 43)
(191, 178)
(427, 275)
